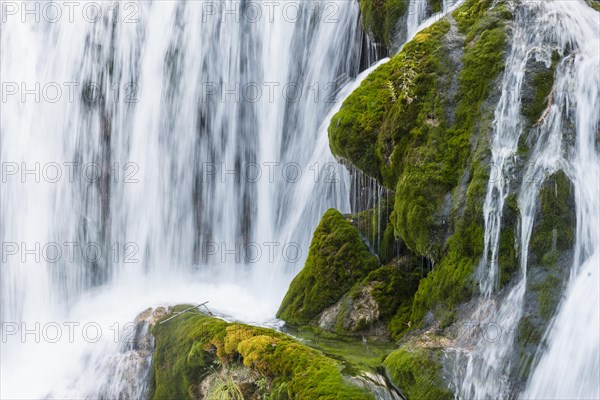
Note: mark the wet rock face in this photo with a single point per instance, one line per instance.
(416, 368)
(152, 315)
(128, 371)
(357, 312)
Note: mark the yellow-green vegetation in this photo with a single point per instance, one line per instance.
(418, 373)
(595, 4)
(379, 18)
(438, 166)
(363, 131)
(451, 281)
(436, 5)
(337, 259)
(225, 389)
(429, 136)
(193, 345)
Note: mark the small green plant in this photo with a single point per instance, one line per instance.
(392, 89)
(407, 76)
(225, 388)
(261, 383)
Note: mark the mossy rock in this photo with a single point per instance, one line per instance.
(418, 373)
(192, 346)
(419, 124)
(404, 127)
(380, 18)
(550, 257)
(379, 305)
(554, 227)
(508, 262)
(537, 89)
(337, 260)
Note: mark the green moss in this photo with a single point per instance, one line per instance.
(474, 16)
(533, 107)
(595, 4)
(353, 352)
(433, 169)
(451, 281)
(392, 284)
(393, 288)
(553, 232)
(436, 5)
(337, 260)
(295, 370)
(407, 126)
(528, 333)
(379, 18)
(549, 294)
(507, 259)
(370, 125)
(417, 372)
(387, 244)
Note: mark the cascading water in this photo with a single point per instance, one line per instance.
(191, 139)
(150, 149)
(416, 14)
(418, 19)
(570, 367)
(572, 29)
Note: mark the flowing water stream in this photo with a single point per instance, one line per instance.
(565, 138)
(161, 152)
(174, 152)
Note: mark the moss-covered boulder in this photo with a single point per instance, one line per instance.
(380, 305)
(410, 124)
(420, 124)
(200, 356)
(417, 371)
(337, 260)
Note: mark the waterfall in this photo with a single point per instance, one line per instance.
(570, 367)
(158, 152)
(540, 28)
(416, 14)
(418, 18)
